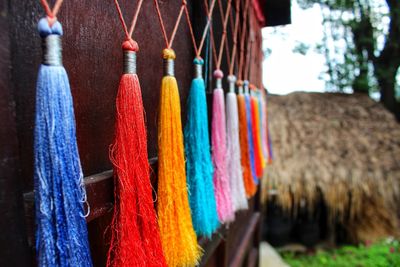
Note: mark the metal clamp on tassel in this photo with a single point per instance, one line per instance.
(51, 42)
(239, 84)
(169, 57)
(198, 67)
(218, 75)
(231, 81)
(169, 67)
(246, 86)
(129, 62)
(52, 50)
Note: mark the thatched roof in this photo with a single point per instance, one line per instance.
(345, 146)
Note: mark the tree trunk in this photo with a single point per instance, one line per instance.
(388, 62)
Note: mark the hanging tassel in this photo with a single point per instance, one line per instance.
(218, 139)
(267, 133)
(255, 120)
(238, 194)
(135, 237)
(250, 131)
(259, 118)
(177, 233)
(249, 184)
(263, 130)
(61, 233)
(199, 169)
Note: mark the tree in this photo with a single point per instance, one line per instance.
(359, 63)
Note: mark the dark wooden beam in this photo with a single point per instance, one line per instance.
(14, 249)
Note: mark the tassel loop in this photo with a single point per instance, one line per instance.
(129, 62)
(239, 84)
(130, 48)
(198, 67)
(218, 75)
(169, 58)
(246, 86)
(51, 42)
(231, 81)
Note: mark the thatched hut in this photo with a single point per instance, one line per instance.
(343, 149)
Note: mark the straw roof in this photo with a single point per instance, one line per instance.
(343, 148)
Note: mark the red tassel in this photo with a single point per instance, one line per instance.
(135, 235)
(257, 146)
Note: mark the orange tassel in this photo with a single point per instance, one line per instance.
(249, 184)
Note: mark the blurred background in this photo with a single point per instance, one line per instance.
(333, 79)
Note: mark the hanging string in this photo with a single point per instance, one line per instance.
(235, 27)
(177, 233)
(61, 230)
(209, 14)
(242, 40)
(225, 19)
(51, 13)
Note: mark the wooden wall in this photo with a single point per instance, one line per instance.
(92, 56)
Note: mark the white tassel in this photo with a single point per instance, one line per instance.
(238, 193)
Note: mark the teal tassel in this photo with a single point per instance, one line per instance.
(199, 169)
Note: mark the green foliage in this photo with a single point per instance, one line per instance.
(382, 254)
(301, 48)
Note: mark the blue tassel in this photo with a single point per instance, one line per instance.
(250, 135)
(199, 168)
(61, 231)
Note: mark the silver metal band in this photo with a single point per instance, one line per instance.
(218, 83)
(246, 86)
(198, 71)
(240, 89)
(129, 62)
(52, 50)
(169, 67)
(232, 86)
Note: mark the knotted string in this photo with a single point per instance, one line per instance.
(235, 28)
(242, 40)
(169, 41)
(128, 34)
(217, 55)
(51, 13)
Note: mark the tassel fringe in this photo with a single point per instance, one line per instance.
(198, 162)
(61, 233)
(135, 237)
(239, 200)
(218, 138)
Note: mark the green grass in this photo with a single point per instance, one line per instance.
(381, 254)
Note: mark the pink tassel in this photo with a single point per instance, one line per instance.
(218, 140)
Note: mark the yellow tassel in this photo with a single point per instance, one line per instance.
(177, 234)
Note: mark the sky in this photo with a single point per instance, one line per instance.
(285, 71)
